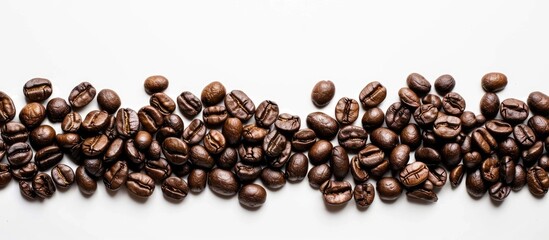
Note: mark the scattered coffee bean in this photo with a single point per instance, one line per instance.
(444, 84)
(494, 82)
(223, 182)
(372, 94)
(156, 83)
(213, 93)
(82, 95)
(252, 195)
(62, 175)
(108, 100)
(388, 189)
(322, 93)
(175, 188)
(336, 193)
(140, 185)
(57, 109)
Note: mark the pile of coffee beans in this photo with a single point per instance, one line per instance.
(415, 146)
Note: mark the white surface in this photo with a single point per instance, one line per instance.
(263, 48)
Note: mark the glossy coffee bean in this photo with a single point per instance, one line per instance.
(524, 135)
(62, 175)
(364, 194)
(151, 118)
(346, 111)
(158, 169)
(42, 136)
(72, 122)
(227, 159)
(57, 109)
(411, 136)
(520, 178)
(303, 140)
(156, 83)
(453, 104)
(43, 185)
(223, 182)
(274, 143)
(437, 176)
(428, 155)
(538, 181)
(47, 157)
(484, 140)
(266, 113)
(384, 138)
(433, 99)
(339, 162)
(250, 153)
(499, 129)
(7, 108)
(324, 126)
(27, 191)
(322, 93)
(388, 189)
(108, 100)
(94, 146)
(489, 105)
(247, 172)
(490, 169)
(175, 188)
(372, 94)
(499, 191)
(370, 156)
(352, 138)
(189, 104)
(19, 154)
(173, 127)
(409, 98)
(213, 93)
(296, 168)
(252, 195)
(127, 122)
(507, 170)
(239, 105)
(82, 95)
(318, 175)
(494, 82)
(468, 121)
(37, 89)
(540, 126)
(397, 116)
(140, 185)
(232, 131)
(175, 150)
(456, 175)
(287, 123)
(475, 184)
(5, 175)
(251, 133)
(447, 127)
(373, 118)
(163, 103)
(399, 157)
(116, 176)
(360, 175)
(538, 103)
(195, 132)
(414, 174)
(25, 172)
(514, 111)
(444, 84)
(32, 115)
(426, 115)
(272, 178)
(320, 152)
(418, 84)
(336, 192)
(532, 154)
(200, 157)
(214, 115)
(214, 142)
(95, 121)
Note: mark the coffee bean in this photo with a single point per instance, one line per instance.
(43, 185)
(543, 162)
(498, 192)
(472, 160)
(346, 111)
(453, 104)
(254, 134)
(175, 188)
(468, 121)
(339, 162)
(409, 98)
(249, 153)
(494, 82)
(520, 178)
(451, 154)
(5, 175)
(373, 118)
(388, 189)
(336, 193)
(437, 176)
(252, 195)
(475, 185)
(352, 138)
(272, 178)
(37, 89)
(514, 111)
(195, 132)
(414, 174)
(426, 115)
(322, 93)
(154, 151)
(444, 84)
(7, 109)
(115, 177)
(48, 157)
(364, 194)
(62, 175)
(318, 175)
(538, 181)
(32, 115)
(214, 115)
(410, 135)
(397, 116)
(82, 95)
(490, 169)
(447, 127)
(456, 175)
(57, 109)
(380, 170)
(274, 143)
(538, 103)
(430, 139)
(27, 191)
(433, 100)
(428, 155)
(25, 172)
(507, 170)
(143, 140)
(239, 105)
(371, 156)
(324, 126)
(524, 135)
(499, 129)
(173, 127)
(158, 169)
(151, 118)
(223, 182)
(182, 170)
(127, 122)
(94, 167)
(232, 131)
(19, 154)
(95, 121)
(359, 174)
(213, 93)
(372, 94)
(531, 155)
(189, 104)
(384, 138)
(282, 159)
(140, 185)
(540, 126)
(303, 140)
(175, 150)
(489, 105)
(266, 113)
(163, 103)
(247, 172)
(114, 150)
(72, 122)
(296, 168)
(156, 83)
(287, 123)
(42, 136)
(227, 159)
(94, 146)
(418, 84)
(484, 140)
(320, 152)
(214, 142)
(200, 157)
(399, 157)
(108, 100)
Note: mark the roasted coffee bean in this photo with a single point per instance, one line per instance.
(296, 168)
(426, 115)
(19, 154)
(489, 105)
(422, 195)
(232, 131)
(62, 175)
(115, 177)
(32, 115)
(520, 178)
(247, 172)
(472, 160)
(72, 122)
(410, 135)
(94, 146)
(444, 84)
(57, 109)
(364, 194)
(380, 170)
(468, 121)
(352, 138)
(499, 191)
(372, 94)
(433, 100)
(287, 123)
(507, 170)
(320, 152)
(384, 138)
(42, 136)
(453, 104)
(3, 148)
(538, 103)
(94, 167)
(182, 170)
(428, 155)
(238, 104)
(214, 142)
(266, 113)
(359, 174)
(322, 93)
(158, 169)
(484, 140)
(303, 140)
(414, 174)
(397, 116)
(108, 100)
(538, 181)
(409, 98)
(475, 185)
(223, 182)
(447, 127)
(5, 175)
(437, 176)
(140, 185)
(324, 126)
(127, 122)
(318, 175)
(48, 157)
(25, 172)
(524, 135)
(200, 157)
(346, 111)
(336, 193)
(282, 159)
(195, 132)
(175, 188)
(465, 144)
(163, 103)
(451, 154)
(274, 143)
(227, 159)
(339, 162)
(480, 119)
(399, 157)
(540, 126)
(252, 195)
(143, 140)
(86, 184)
(272, 178)
(173, 127)
(110, 129)
(418, 84)
(498, 129)
(430, 139)
(37, 89)
(189, 104)
(490, 169)
(7, 109)
(543, 162)
(373, 118)
(494, 82)
(43, 185)
(95, 121)
(114, 150)
(156, 83)
(175, 150)
(250, 153)
(388, 189)
(456, 175)
(254, 134)
(370, 156)
(214, 115)
(27, 191)
(82, 95)
(213, 93)
(531, 155)
(514, 111)
(151, 119)
(154, 151)
(509, 147)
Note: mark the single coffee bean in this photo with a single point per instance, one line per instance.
(418, 84)
(247, 172)
(48, 157)
(223, 182)
(456, 175)
(274, 143)
(384, 138)
(287, 123)
(214, 142)
(453, 104)
(175, 150)
(252, 195)
(322, 93)
(433, 100)
(336, 193)
(115, 177)
(507, 170)
(163, 103)
(114, 150)
(143, 140)
(173, 127)
(468, 121)
(140, 185)
(42, 136)
(380, 170)
(480, 119)
(94, 167)
(227, 159)
(195, 132)
(95, 121)
(490, 169)
(200, 157)
(94, 146)
(437, 176)
(520, 178)
(466, 144)
(325, 127)
(484, 140)
(214, 115)
(524, 135)
(451, 154)
(428, 155)
(37, 89)
(197, 180)
(538, 103)
(25, 172)
(430, 139)
(3, 148)
(339, 162)
(494, 82)
(158, 169)
(108, 100)
(127, 122)
(410, 135)
(499, 191)
(320, 152)
(373, 118)
(251, 133)
(318, 175)
(296, 168)
(352, 138)
(154, 151)
(151, 118)
(399, 157)
(232, 131)
(359, 174)
(372, 94)
(57, 109)
(213, 93)
(7, 108)
(189, 104)
(472, 160)
(282, 159)
(272, 178)
(475, 184)
(414, 174)
(425, 115)
(540, 126)
(19, 154)
(370, 156)
(43, 185)
(388, 189)
(364, 194)
(447, 127)
(238, 104)
(531, 155)
(499, 129)
(346, 111)
(156, 83)
(62, 175)
(444, 84)
(27, 191)
(303, 140)
(250, 153)
(32, 114)
(175, 188)
(409, 98)
(543, 162)
(514, 111)
(266, 113)
(538, 181)
(397, 116)
(489, 105)
(72, 122)
(82, 95)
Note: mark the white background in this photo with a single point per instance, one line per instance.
(272, 50)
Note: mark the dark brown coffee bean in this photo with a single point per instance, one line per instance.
(489, 105)
(37, 89)
(543, 162)
(456, 175)
(499, 191)
(399, 157)
(223, 182)
(451, 154)
(468, 121)
(303, 140)
(364, 194)
(42, 136)
(197, 180)
(43, 185)
(397, 116)
(540, 126)
(48, 157)
(444, 84)
(232, 131)
(173, 127)
(57, 109)
(320, 152)
(115, 177)
(426, 115)
(498, 129)
(195, 132)
(531, 155)
(27, 191)
(32, 115)
(272, 178)
(322, 93)
(266, 113)
(154, 150)
(214, 115)
(414, 174)
(388, 189)
(410, 135)
(514, 111)
(252, 195)
(19, 154)
(484, 140)
(127, 122)
(249, 153)
(254, 134)
(239, 105)
(213, 93)
(25, 172)
(372, 94)
(447, 127)
(325, 127)
(7, 108)
(214, 142)
(346, 111)
(182, 170)
(62, 175)
(538, 103)
(538, 181)
(352, 138)
(227, 159)
(339, 162)
(175, 188)
(373, 118)
(140, 185)
(336, 193)
(200, 157)
(370, 156)
(507, 170)
(163, 103)
(453, 104)
(287, 123)
(282, 159)
(5, 175)
(158, 169)
(82, 95)
(359, 174)
(409, 98)
(72, 122)
(494, 82)
(86, 184)
(524, 135)
(490, 169)
(189, 104)
(428, 155)
(296, 168)
(520, 178)
(380, 170)
(430, 139)
(175, 150)
(418, 84)
(475, 185)
(151, 118)
(95, 121)
(433, 100)
(94, 167)
(114, 150)
(156, 83)
(318, 175)
(3, 148)
(384, 138)
(472, 160)
(95, 146)
(108, 100)
(437, 176)
(143, 140)
(247, 172)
